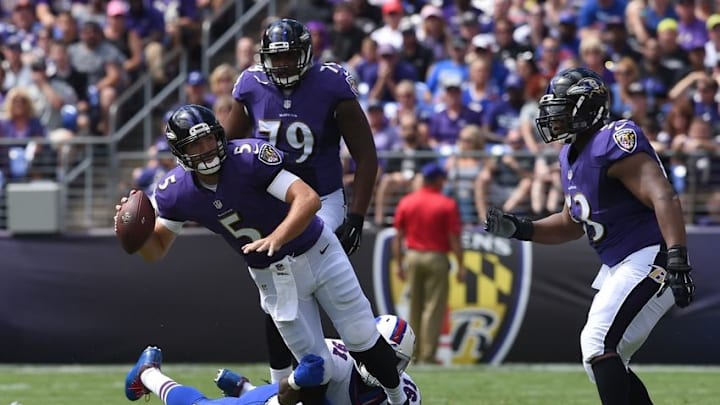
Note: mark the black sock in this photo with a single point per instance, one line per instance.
(381, 362)
(638, 393)
(612, 381)
(280, 355)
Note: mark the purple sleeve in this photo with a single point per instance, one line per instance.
(165, 198)
(246, 83)
(339, 82)
(623, 138)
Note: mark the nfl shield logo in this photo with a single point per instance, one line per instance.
(287, 104)
(218, 204)
(484, 314)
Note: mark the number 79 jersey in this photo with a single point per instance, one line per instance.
(301, 122)
(615, 221)
(346, 386)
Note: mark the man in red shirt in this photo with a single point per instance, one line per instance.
(428, 227)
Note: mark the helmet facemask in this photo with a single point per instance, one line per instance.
(400, 336)
(285, 67)
(208, 162)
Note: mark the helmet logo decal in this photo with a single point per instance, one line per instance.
(269, 155)
(171, 136)
(199, 129)
(626, 139)
(399, 331)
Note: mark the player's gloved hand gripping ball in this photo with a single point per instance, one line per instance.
(134, 221)
(678, 276)
(309, 373)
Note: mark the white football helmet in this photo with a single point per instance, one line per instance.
(400, 336)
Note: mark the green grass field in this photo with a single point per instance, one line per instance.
(513, 384)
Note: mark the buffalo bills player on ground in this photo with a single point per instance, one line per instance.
(146, 377)
(617, 194)
(242, 191)
(305, 109)
(350, 383)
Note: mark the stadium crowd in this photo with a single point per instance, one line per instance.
(453, 81)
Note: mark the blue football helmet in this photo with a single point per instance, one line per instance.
(286, 52)
(188, 124)
(576, 102)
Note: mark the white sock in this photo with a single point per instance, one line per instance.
(278, 374)
(396, 395)
(157, 382)
(246, 388)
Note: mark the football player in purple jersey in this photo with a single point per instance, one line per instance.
(616, 193)
(242, 191)
(305, 110)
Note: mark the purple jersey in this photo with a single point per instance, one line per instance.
(241, 210)
(302, 122)
(615, 221)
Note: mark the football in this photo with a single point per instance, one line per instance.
(135, 221)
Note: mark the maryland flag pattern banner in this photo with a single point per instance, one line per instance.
(484, 314)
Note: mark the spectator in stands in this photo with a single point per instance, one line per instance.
(433, 33)
(691, 30)
(625, 72)
(196, 90)
(66, 28)
(31, 161)
(502, 115)
(453, 68)
(535, 31)
(49, 94)
(445, 123)
(22, 24)
(128, 42)
(567, 36)
(59, 65)
(409, 100)
(345, 35)
(428, 229)
(382, 78)
(698, 149)
(650, 67)
(506, 178)
(222, 79)
(712, 47)
(384, 134)
(615, 38)
(481, 90)
(469, 26)
(401, 170)
(414, 52)
(363, 64)
(592, 56)
(102, 63)
(507, 48)
(528, 70)
(462, 168)
(183, 27)
(149, 23)
(672, 56)
(17, 73)
(222, 107)
(389, 32)
(245, 51)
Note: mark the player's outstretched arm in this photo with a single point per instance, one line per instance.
(238, 124)
(551, 230)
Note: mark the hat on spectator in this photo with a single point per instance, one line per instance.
(195, 78)
(568, 18)
(637, 88)
(406, 26)
(667, 24)
(514, 81)
(13, 42)
(162, 145)
(458, 42)
(656, 87)
(712, 21)
(429, 10)
(483, 41)
(433, 171)
(386, 49)
(450, 81)
(392, 6)
(614, 21)
(375, 105)
(117, 7)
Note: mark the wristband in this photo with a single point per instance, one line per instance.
(524, 229)
(292, 383)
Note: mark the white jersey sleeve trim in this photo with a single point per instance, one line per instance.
(281, 183)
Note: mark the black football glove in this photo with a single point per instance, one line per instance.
(350, 233)
(508, 225)
(678, 276)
